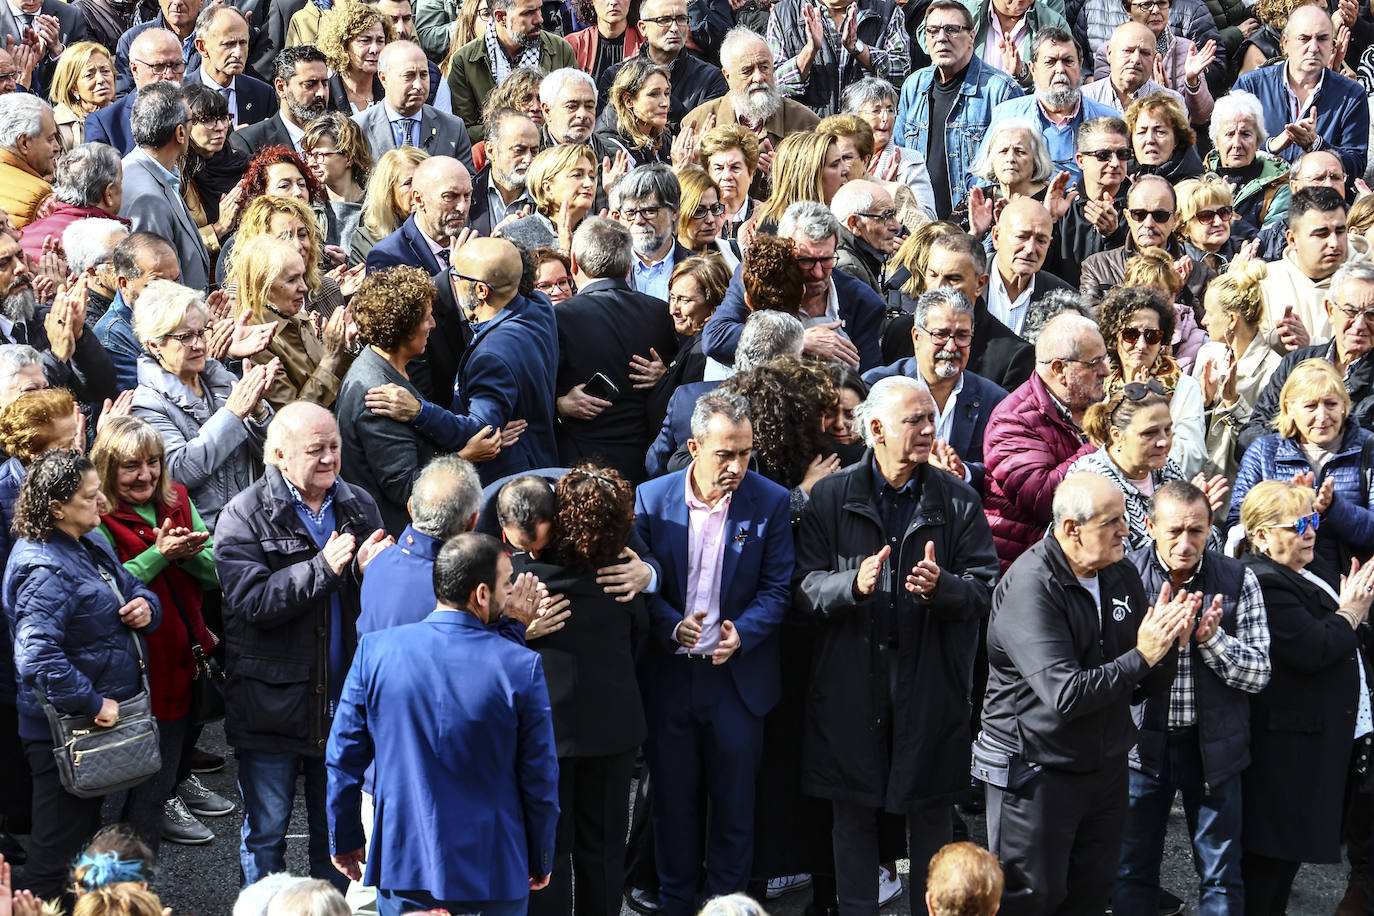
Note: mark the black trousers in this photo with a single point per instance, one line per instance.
(1059, 840)
(856, 835)
(16, 793)
(142, 808)
(1268, 882)
(60, 831)
(593, 802)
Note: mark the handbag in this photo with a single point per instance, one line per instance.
(95, 760)
(207, 688)
(999, 767)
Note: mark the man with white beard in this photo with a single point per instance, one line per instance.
(499, 190)
(940, 339)
(753, 101)
(646, 201)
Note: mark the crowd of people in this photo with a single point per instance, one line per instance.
(679, 453)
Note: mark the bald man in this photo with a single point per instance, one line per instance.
(442, 193)
(1129, 60)
(507, 377)
(405, 119)
(1021, 240)
(155, 55)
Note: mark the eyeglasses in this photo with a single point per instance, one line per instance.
(1138, 215)
(1300, 524)
(665, 21)
(178, 66)
(962, 339)
(1330, 177)
(1090, 363)
(886, 216)
(455, 273)
(566, 282)
(808, 263)
(632, 213)
(321, 153)
(1152, 5)
(1352, 312)
(717, 210)
(1152, 336)
(1207, 216)
(186, 337)
(213, 119)
(1124, 154)
(949, 31)
(8, 75)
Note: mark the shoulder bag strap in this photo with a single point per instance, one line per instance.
(138, 643)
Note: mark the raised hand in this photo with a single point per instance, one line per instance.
(1292, 332)
(1357, 590)
(925, 575)
(1161, 74)
(376, 542)
(62, 321)
(522, 602)
(980, 215)
(1197, 62)
(1325, 494)
(944, 457)
(815, 32)
(866, 581)
(335, 337)
(248, 340)
(1209, 622)
(612, 170)
(684, 150)
(849, 29)
(1247, 252)
(766, 154)
(1165, 623)
(1059, 197)
(119, 407)
(1011, 57)
(1216, 489)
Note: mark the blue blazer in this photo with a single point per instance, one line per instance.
(756, 579)
(110, 125)
(1342, 113)
(466, 760)
(257, 101)
(976, 402)
(677, 425)
(404, 247)
(861, 309)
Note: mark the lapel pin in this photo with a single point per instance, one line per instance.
(742, 535)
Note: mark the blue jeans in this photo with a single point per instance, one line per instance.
(394, 903)
(267, 781)
(1214, 820)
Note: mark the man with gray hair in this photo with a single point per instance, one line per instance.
(612, 345)
(90, 245)
(21, 371)
(868, 231)
(843, 317)
(568, 98)
(498, 191)
(155, 57)
(896, 601)
(222, 37)
(162, 131)
(941, 336)
(647, 200)
(766, 334)
(1073, 642)
(29, 147)
(88, 183)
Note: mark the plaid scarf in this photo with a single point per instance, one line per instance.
(501, 64)
(1164, 370)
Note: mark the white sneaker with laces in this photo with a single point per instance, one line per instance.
(786, 885)
(889, 886)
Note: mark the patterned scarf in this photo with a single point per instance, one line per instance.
(500, 64)
(1165, 371)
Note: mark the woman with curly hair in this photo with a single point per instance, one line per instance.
(598, 721)
(730, 156)
(339, 157)
(1153, 268)
(394, 311)
(639, 98)
(388, 201)
(288, 219)
(352, 35)
(1162, 139)
(82, 82)
(771, 276)
(519, 90)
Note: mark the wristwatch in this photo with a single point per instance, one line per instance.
(859, 47)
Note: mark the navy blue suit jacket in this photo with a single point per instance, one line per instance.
(756, 575)
(478, 747)
(257, 101)
(677, 425)
(1342, 113)
(407, 247)
(110, 125)
(861, 309)
(976, 401)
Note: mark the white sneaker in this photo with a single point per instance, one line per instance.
(786, 884)
(889, 886)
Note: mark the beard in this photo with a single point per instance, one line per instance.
(646, 242)
(947, 366)
(19, 304)
(508, 179)
(1063, 97)
(305, 113)
(756, 104)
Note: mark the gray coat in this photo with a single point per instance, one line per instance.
(152, 205)
(439, 134)
(210, 451)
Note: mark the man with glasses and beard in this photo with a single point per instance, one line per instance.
(646, 201)
(964, 401)
(302, 84)
(499, 190)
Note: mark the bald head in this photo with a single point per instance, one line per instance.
(1131, 54)
(155, 55)
(404, 73)
(1308, 42)
(442, 191)
(496, 263)
(303, 443)
(1065, 337)
(1022, 239)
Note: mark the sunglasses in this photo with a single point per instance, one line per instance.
(1152, 336)
(717, 210)
(1125, 154)
(1207, 216)
(1136, 391)
(1300, 525)
(1159, 216)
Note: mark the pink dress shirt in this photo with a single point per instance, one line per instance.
(706, 532)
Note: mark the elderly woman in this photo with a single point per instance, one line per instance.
(212, 423)
(338, 155)
(388, 201)
(730, 156)
(1153, 268)
(598, 722)
(1305, 723)
(1315, 439)
(352, 35)
(696, 288)
(76, 615)
(1015, 161)
(82, 82)
(1136, 324)
(1206, 221)
(561, 181)
(1161, 138)
(394, 313)
(212, 168)
(639, 98)
(158, 535)
(288, 219)
(269, 281)
(1231, 369)
(700, 215)
(875, 100)
(1258, 179)
(553, 274)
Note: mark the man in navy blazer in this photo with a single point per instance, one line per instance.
(185, 24)
(442, 190)
(151, 50)
(1339, 104)
(941, 335)
(222, 36)
(494, 766)
(843, 316)
(710, 669)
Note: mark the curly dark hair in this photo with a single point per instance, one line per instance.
(391, 304)
(1124, 301)
(255, 178)
(788, 397)
(596, 510)
(54, 476)
(771, 276)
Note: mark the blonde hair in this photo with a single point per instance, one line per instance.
(26, 423)
(379, 212)
(1195, 193)
(1153, 268)
(1311, 378)
(346, 21)
(68, 71)
(853, 128)
(548, 164)
(125, 438)
(728, 137)
(1271, 502)
(258, 262)
(797, 168)
(1238, 290)
(256, 220)
(964, 880)
(694, 183)
(1361, 215)
(125, 899)
(914, 254)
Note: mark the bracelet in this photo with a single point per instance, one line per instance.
(1349, 615)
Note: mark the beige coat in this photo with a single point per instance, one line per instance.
(305, 374)
(1287, 285)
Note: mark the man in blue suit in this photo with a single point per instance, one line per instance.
(222, 37)
(156, 58)
(710, 669)
(438, 774)
(442, 189)
(842, 315)
(941, 336)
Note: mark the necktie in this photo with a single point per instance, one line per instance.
(442, 255)
(407, 131)
(20, 333)
(228, 91)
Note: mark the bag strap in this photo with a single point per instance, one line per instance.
(138, 643)
(1366, 464)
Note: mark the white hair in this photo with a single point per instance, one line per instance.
(732, 41)
(1063, 337)
(1233, 106)
(552, 86)
(21, 115)
(253, 899)
(855, 196)
(879, 399)
(91, 242)
(1073, 498)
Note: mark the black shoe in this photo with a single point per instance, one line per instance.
(10, 848)
(643, 902)
(1169, 904)
(203, 762)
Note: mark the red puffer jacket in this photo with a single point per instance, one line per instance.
(1027, 450)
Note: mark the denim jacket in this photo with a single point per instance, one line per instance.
(983, 90)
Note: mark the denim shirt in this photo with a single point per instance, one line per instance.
(115, 331)
(983, 90)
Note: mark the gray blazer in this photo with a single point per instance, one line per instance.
(210, 451)
(440, 134)
(152, 205)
